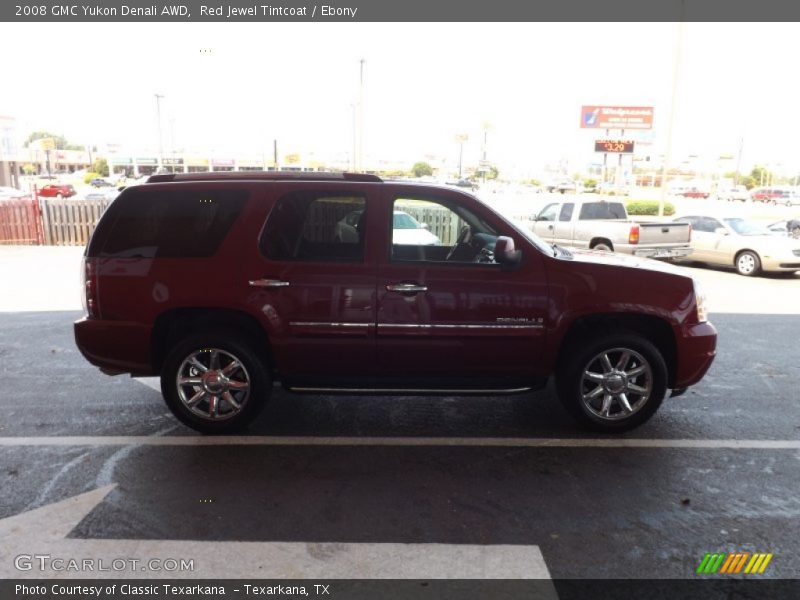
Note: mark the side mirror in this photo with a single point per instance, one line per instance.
(721, 231)
(504, 251)
(425, 226)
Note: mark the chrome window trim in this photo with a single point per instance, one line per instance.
(460, 326)
(326, 324)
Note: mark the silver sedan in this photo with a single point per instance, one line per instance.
(746, 245)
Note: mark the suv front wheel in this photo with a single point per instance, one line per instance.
(215, 383)
(613, 383)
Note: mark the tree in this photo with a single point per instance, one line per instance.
(101, 166)
(493, 173)
(421, 169)
(59, 140)
(29, 169)
(761, 175)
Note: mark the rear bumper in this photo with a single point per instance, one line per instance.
(667, 252)
(697, 347)
(115, 346)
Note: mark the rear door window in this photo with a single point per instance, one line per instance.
(171, 224)
(316, 227)
(566, 212)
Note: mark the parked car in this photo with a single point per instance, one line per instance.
(102, 194)
(694, 192)
(405, 229)
(775, 195)
(464, 183)
(747, 246)
(564, 186)
(613, 189)
(736, 193)
(100, 182)
(57, 190)
(11, 193)
(238, 281)
(790, 227)
(603, 225)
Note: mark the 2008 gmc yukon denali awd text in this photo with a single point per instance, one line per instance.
(224, 283)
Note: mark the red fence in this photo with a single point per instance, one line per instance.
(20, 222)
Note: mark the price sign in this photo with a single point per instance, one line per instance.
(614, 146)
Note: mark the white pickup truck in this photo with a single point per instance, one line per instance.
(603, 225)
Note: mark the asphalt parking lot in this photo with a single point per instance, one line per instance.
(361, 486)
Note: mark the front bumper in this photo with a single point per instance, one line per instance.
(697, 347)
(786, 264)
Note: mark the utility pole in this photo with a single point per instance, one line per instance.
(160, 142)
(738, 161)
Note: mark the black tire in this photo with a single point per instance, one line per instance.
(253, 370)
(747, 263)
(582, 355)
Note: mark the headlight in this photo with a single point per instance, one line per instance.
(700, 299)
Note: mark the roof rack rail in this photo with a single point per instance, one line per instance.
(264, 175)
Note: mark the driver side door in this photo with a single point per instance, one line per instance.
(449, 316)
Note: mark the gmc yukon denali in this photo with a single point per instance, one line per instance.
(225, 283)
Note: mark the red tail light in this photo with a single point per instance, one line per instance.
(89, 283)
(633, 236)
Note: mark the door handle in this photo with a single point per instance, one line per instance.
(267, 283)
(405, 288)
(550, 227)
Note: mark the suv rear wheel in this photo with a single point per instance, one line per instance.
(215, 382)
(614, 383)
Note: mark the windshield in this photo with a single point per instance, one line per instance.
(404, 221)
(533, 238)
(743, 227)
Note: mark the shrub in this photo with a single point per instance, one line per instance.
(89, 176)
(648, 208)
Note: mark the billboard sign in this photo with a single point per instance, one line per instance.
(616, 117)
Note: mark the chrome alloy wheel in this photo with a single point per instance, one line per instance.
(616, 384)
(213, 384)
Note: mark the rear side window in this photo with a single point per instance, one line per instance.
(316, 226)
(170, 224)
(566, 212)
(602, 210)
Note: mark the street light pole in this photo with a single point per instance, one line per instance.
(675, 74)
(160, 142)
(360, 158)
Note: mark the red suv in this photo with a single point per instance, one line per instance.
(222, 283)
(57, 191)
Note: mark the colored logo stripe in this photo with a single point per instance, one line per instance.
(733, 563)
(758, 564)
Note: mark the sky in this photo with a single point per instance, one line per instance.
(231, 88)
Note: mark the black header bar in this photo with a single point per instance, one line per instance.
(400, 11)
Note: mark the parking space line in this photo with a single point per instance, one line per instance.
(257, 440)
